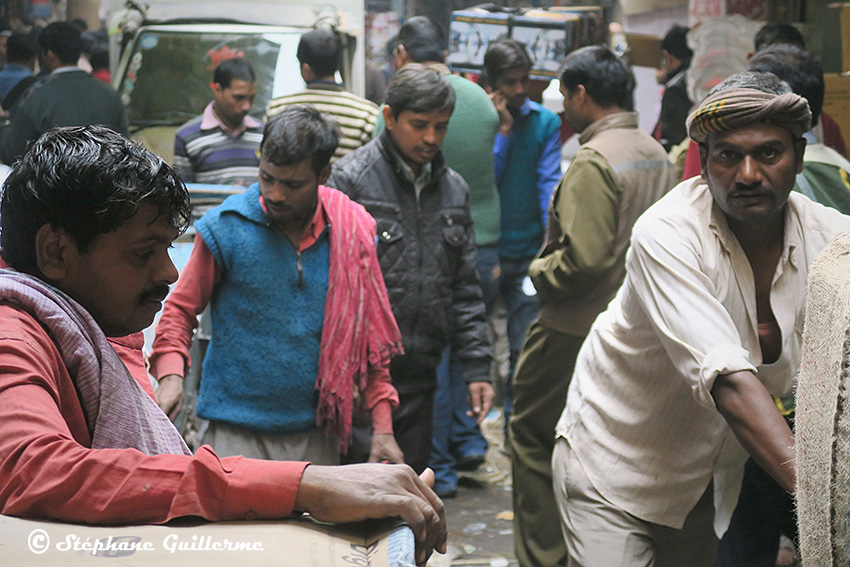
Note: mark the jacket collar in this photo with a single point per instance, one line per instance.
(616, 120)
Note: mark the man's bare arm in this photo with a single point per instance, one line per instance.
(754, 418)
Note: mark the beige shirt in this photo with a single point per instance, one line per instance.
(639, 413)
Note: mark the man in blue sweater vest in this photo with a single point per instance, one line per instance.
(527, 160)
(302, 325)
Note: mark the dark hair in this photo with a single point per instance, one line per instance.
(297, 133)
(419, 89)
(321, 50)
(503, 56)
(237, 69)
(86, 180)
(800, 69)
(99, 57)
(676, 43)
(773, 33)
(64, 40)
(423, 40)
(607, 81)
(764, 82)
(21, 48)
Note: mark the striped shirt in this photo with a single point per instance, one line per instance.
(205, 152)
(354, 116)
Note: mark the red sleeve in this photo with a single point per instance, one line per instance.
(380, 397)
(47, 470)
(190, 296)
(692, 164)
(832, 134)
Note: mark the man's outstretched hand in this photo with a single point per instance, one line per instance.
(352, 493)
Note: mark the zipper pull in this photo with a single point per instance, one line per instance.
(300, 268)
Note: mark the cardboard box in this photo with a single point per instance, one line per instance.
(300, 542)
(836, 101)
(549, 34)
(644, 50)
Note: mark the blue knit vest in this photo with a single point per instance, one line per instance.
(522, 219)
(261, 365)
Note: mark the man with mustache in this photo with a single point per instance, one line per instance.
(87, 220)
(675, 384)
(301, 323)
(426, 247)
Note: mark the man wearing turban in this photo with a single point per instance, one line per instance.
(674, 386)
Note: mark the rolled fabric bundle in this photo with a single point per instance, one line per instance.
(823, 413)
(737, 107)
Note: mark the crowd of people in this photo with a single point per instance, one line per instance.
(653, 315)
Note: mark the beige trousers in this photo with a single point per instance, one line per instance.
(599, 534)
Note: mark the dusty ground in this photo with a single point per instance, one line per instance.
(480, 517)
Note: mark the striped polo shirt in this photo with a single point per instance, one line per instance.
(354, 116)
(205, 151)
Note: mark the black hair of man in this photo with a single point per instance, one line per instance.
(773, 33)
(21, 48)
(297, 133)
(99, 57)
(764, 82)
(419, 89)
(423, 40)
(321, 50)
(86, 180)
(236, 69)
(676, 43)
(64, 40)
(800, 69)
(505, 55)
(80, 24)
(605, 78)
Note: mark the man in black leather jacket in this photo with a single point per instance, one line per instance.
(426, 248)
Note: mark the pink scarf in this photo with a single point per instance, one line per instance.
(359, 328)
(118, 412)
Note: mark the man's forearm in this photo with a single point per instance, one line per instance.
(754, 418)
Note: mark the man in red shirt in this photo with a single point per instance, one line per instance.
(87, 220)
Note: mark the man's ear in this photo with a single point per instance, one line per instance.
(215, 87)
(389, 119)
(324, 174)
(307, 73)
(400, 58)
(52, 247)
(799, 152)
(703, 157)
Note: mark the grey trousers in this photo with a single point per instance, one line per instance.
(229, 440)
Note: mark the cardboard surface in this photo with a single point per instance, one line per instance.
(299, 542)
(644, 49)
(836, 101)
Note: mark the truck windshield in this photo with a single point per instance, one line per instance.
(168, 79)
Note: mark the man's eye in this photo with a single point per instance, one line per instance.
(144, 255)
(770, 153)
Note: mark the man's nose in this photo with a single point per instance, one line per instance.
(749, 172)
(167, 270)
(431, 136)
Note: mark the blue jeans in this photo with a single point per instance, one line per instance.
(520, 299)
(455, 434)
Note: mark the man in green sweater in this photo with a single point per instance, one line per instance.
(468, 149)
